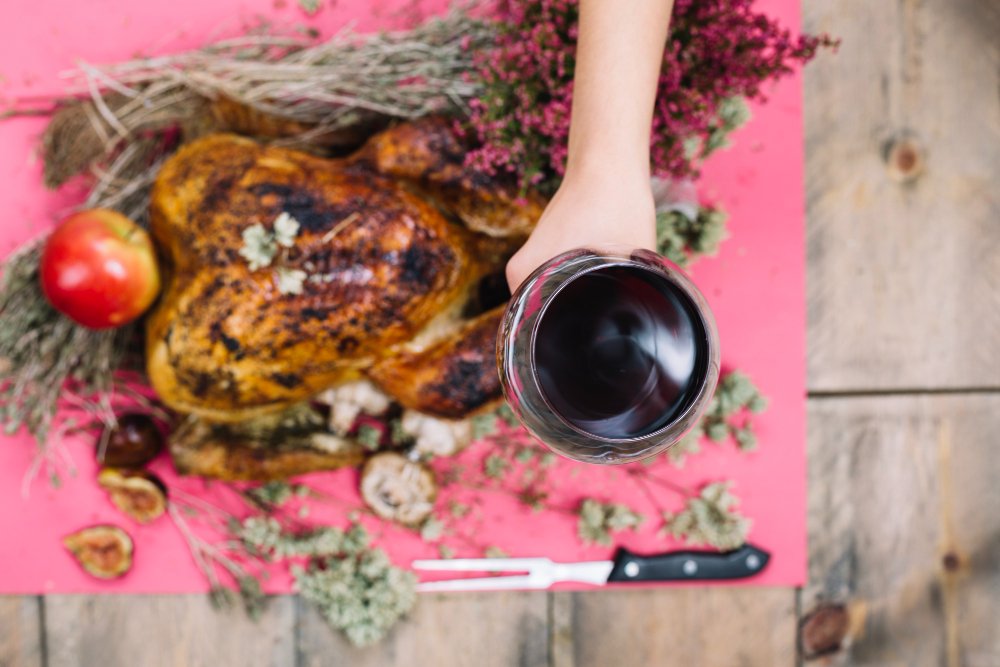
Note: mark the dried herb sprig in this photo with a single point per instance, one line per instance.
(689, 445)
(337, 84)
(46, 358)
(272, 494)
(354, 585)
(211, 558)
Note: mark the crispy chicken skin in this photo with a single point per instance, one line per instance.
(207, 449)
(431, 154)
(447, 378)
(384, 257)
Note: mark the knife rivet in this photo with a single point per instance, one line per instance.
(753, 561)
(631, 568)
(689, 567)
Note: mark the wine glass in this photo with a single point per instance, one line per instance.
(608, 355)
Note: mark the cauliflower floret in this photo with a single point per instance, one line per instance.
(348, 400)
(434, 436)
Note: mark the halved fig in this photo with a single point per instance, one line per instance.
(139, 494)
(133, 443)
(397, 488)
(103, 551)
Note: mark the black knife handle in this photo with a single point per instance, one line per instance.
(746, 561)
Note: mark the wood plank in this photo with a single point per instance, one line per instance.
(481, 629)
(680, 627)
(20, 631)
(902, 156)
(154, 630)
(904, 529)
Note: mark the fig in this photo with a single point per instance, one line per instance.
(133, 443)
(103, 551)
(138, 494)
(397, 488)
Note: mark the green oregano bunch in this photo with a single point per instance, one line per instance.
(687, 446)
(735, 395)
(354, 585)
(264, 536)
(486, 423)
(731, 114)
(596, 520)
(709, 518)
(272, 494)
(357, 590)
(682, 239)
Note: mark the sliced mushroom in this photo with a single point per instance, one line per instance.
(397, 488)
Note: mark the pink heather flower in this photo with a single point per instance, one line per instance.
(718, 50)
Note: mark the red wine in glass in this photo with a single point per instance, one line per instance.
(609, 355)
(618, 352)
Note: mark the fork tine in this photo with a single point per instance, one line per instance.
(481, 564)
(479, 584)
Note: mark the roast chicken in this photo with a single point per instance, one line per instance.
(394, 247)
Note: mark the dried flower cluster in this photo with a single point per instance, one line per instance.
(273, 494)
(354, 585)
(710, 518)
(357, 589)
(261, 245)
(719, 53)
(728, 415)
(597, 520)
(735, 396)
(680, 237)
(265, 537)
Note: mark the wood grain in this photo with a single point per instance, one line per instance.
(676, 628)
(904, 526)
(20, 631)
(164, 630)
(902, 160)
(480, 629)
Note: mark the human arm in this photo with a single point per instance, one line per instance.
(605, 195)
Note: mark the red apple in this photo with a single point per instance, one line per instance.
(99, 268)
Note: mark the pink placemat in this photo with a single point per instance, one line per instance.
(755, 286)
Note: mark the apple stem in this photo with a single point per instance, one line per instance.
(130, 233)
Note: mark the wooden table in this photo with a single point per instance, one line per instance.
(903, 186)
